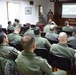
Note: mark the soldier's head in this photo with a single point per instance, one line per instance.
(62, 38)
(37, 31)
(17, 29)
(52, 27)
(15, 20)
(9, 23)
(28, 43)
(3, 38)
(66, 23)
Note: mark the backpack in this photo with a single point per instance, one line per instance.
(8, 67)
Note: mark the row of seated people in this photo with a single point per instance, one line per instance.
(36, 36)
(51, 36)
(36, 32)
(27, 62)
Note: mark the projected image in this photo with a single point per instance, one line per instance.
(69, 10)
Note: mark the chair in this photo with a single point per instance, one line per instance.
(17, 46)
(72, 45)
(68, 33)
(53, 41)
(62, 62)
(43, 52)
(43, 34)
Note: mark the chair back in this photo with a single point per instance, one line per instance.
(43, 52)
(43, 34)
(53, 41)
(72, 45)
(68, 33)
(62, 62)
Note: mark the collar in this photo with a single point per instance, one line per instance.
(37, 35)
(4, 44)
(65, 45)
(29, 54)
(15, 33)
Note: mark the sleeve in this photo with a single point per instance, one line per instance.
(13, 54)
(46, 68)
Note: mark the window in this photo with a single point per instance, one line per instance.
(13, 11)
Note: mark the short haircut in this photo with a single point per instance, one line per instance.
(9, 22)
(18, 21)
(37, 31)
(2, 36)
(15, 20)
(27, 42)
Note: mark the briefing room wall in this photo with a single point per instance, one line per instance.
(24, 18)
(46, 6)
(3, 13)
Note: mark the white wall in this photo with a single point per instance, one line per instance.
(32, 18)
(3, 13)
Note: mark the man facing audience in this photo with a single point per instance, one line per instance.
(40, 41)
(30, 64)
(52, 35)
(62, 48)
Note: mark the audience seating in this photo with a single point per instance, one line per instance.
(17, 46)
(43, 34)
(72, 45)
(43, 52)
(68, 33)
(62, 62)
(52, 41)
(59, 29)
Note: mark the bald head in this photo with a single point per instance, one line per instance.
(62, 38)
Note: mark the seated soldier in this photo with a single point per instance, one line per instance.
(67, 27)
(52, 35)
(47, 27)
(30, 64)
(40, 41)
(10, 27)
(5, 49)
(72, 39)
(62, 47)
(29, 30)
(15, 37)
